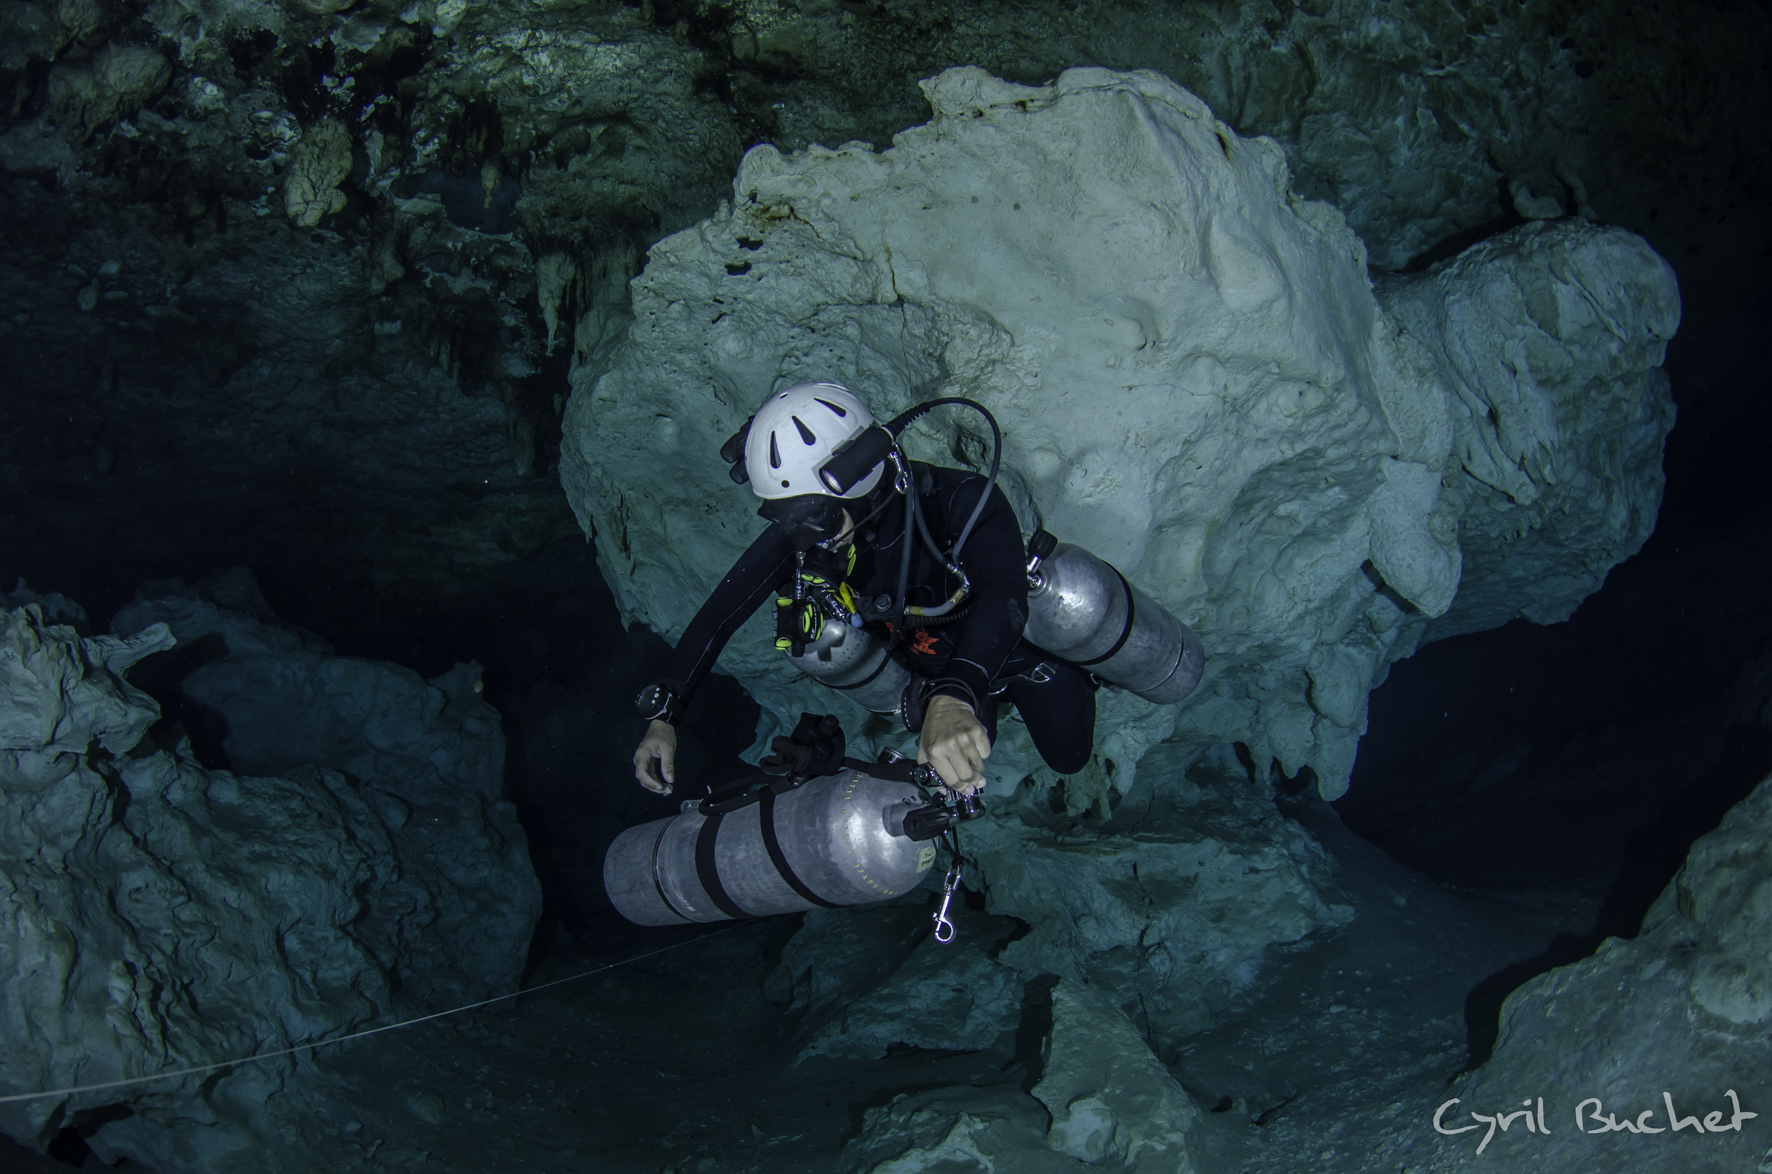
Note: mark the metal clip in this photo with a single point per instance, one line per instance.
(947, 898)
(901, 480)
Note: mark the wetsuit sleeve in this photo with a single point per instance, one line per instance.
(753, 579)
(996, 561)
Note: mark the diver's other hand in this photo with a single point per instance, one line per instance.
(655, 762)
(955, 743)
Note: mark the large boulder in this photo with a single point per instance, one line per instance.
(1108, 1104)
(1652, 1052)
(1195, 378)
(1174, 903)
(166, 916)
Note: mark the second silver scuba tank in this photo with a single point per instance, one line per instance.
(856, 664)
(1080, 609)
(1083, 610)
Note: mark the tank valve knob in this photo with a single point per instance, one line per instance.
(1040, 548)
(933, 819)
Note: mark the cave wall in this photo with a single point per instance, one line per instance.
(1195, 377)
(167, 915)
(1663, 1028)
(275, 269)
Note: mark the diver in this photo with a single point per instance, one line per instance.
(942, 578)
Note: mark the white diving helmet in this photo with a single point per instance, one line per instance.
(786, 447)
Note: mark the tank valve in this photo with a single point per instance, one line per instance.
(1040, 548)
(932, 819)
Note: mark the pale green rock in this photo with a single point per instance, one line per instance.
(1678, 1013)
(120, 77)
(1109, 1097)
(616, 135)
(917, 992)
(1109, 1104)
(957, 1131)
(161, 916)
(1174, 904)
(1552, 337)
(320, 162)
(1194, 376)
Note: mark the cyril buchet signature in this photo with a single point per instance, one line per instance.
(1591, 1117)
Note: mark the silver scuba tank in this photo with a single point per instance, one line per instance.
(856, 663)
(1084, 611)
(833, 841)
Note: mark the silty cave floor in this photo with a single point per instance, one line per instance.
(1333, 1060)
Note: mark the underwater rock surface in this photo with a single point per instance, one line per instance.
(1173, 903)
(1108, 1103)
(1674, 1016)
(165, 916)
(1194, 376)
(183, 344)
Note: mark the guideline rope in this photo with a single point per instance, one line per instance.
(62, 1092)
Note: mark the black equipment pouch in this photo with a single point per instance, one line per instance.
(815, 748)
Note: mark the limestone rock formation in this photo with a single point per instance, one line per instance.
(957, 1129)
(1110, 1105)
(113, 85)
(317, 165)
(1664, 1032)
(169, 916)
(1551, 337)
(1108, 1096)
(1173, 903)
(865, 981)
(1193, 374)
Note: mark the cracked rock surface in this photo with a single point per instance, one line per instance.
(1191, 368)
(165, 915)
(249, 237)
(1675, 1016)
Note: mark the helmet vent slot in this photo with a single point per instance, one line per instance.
(841, 414)
(774, 453)
(806, 433)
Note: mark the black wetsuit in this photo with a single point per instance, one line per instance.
(967, 656)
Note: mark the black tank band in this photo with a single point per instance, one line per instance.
(1125, 633)
(772, 844)
(870, 678)
(708, 872)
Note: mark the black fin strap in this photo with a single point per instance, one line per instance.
(1125, 633)
(772, 844)
(708, 872)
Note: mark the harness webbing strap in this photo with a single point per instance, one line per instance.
(708, 872)
(772, 844)
(1125, 633)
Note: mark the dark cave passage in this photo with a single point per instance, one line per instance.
(329, 292)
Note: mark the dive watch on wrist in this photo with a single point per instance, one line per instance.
(659, 702)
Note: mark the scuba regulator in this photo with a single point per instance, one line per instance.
(815, 520)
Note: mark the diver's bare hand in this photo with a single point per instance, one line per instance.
(955, 743)
(655, 762)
